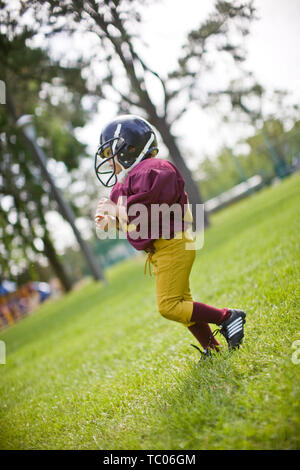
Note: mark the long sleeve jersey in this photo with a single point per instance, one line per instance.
(152, 183)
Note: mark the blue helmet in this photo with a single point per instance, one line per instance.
(128, 137)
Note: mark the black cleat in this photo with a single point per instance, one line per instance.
(233, 328)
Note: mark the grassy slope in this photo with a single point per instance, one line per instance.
(101, 369)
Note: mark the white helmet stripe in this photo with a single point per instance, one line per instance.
(143, 152)
(122, 175)
(116, 134)
(147, 146)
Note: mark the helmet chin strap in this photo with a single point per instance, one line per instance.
(122, 175)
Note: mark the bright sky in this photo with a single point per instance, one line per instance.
(273, 44)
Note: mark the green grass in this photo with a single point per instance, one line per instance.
(101, 369)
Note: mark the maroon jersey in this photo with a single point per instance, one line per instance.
(152, 182)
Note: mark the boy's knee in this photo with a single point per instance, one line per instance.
(176, 309)
(168, 310)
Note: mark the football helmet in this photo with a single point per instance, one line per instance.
(129, 138)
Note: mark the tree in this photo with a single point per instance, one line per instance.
(124, 72)
(30, 77)
(228, 167)
(272, 148)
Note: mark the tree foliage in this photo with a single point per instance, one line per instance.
(37, 85)
(273, 151)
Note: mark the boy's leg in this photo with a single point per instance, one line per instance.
(208, 314)
(172, 267)
(201, 330)
(231, 321)
(204, 335)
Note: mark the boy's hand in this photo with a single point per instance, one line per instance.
(106, 214)
(105, 207)
(106, 222)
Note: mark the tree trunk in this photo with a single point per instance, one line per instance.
(175, 154)
(56, 264)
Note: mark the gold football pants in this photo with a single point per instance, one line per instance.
(172, 264)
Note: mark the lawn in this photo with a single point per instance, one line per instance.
(101, 369)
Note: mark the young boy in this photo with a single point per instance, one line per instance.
(126, 160)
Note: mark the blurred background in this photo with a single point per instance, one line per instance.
(219, 81)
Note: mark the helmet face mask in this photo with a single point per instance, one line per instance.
(129, 138)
